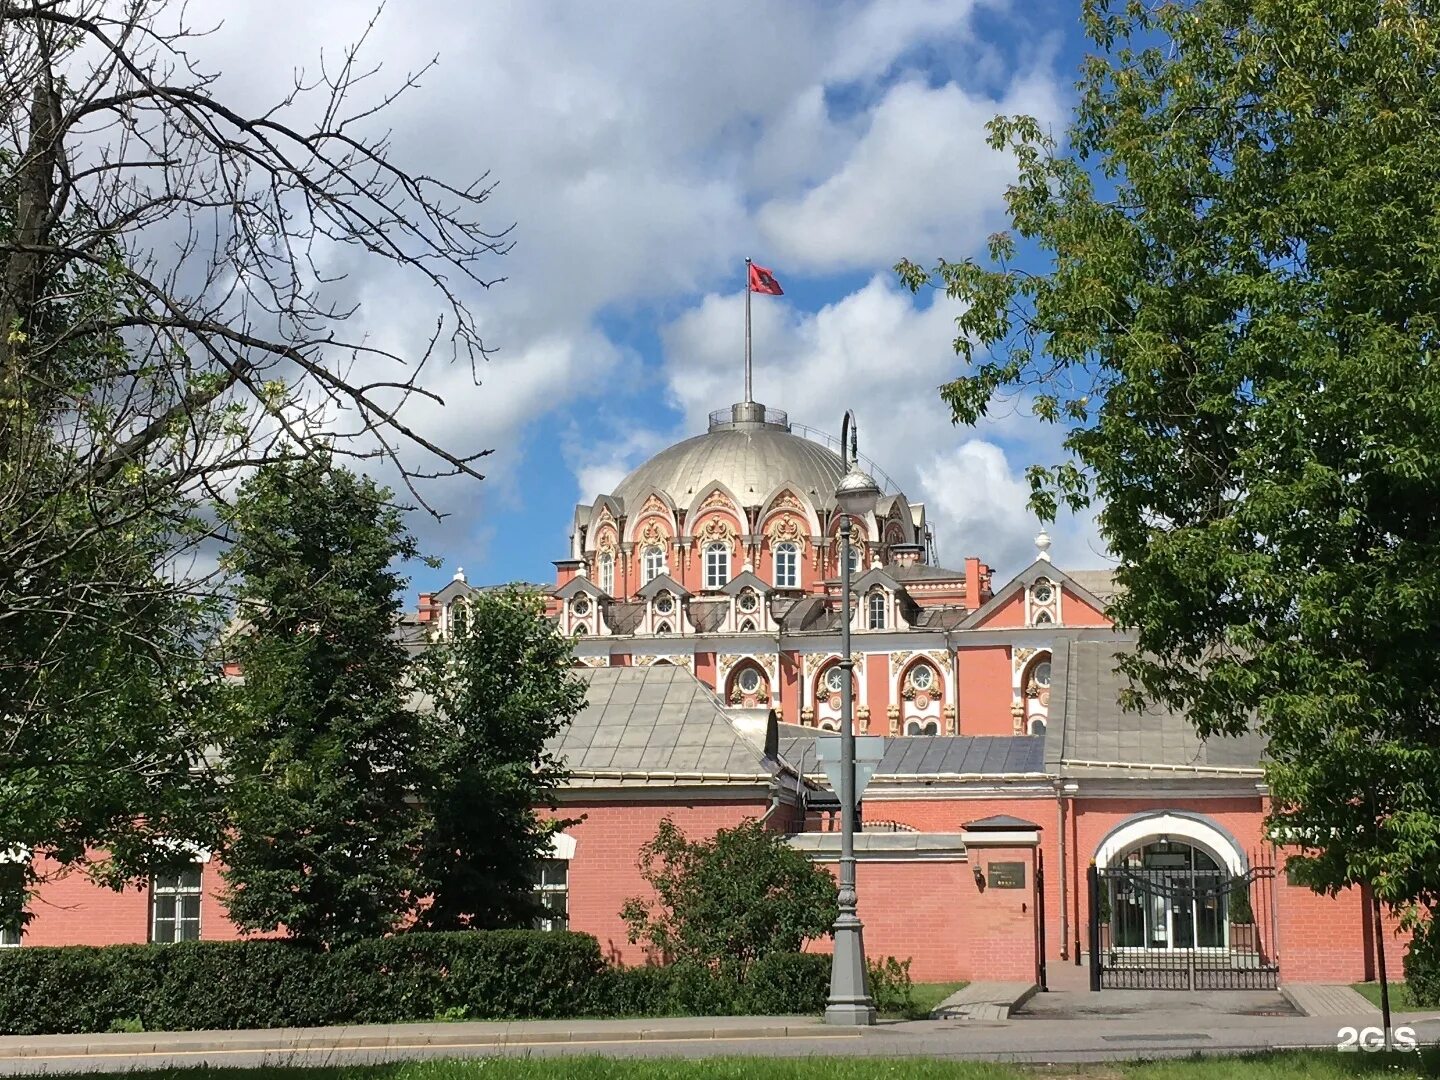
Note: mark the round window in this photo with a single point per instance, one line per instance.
(581, 606)
(835, 680)
(749, 680)
(1041, 592)
(749, 601)
(1041, 675)
(923, 677)
(664, 603)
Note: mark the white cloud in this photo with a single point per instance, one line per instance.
(919, 182)
(642, 151)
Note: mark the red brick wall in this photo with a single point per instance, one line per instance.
(604, 872)
(73, 910)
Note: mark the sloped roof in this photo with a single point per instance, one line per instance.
(1088, 732)
(657, 719)
(1100, 583)
(929, 755)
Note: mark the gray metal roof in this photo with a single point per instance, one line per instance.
(1088, 730)
(1099, 583)
(656, 719)
(914, 755)
(750, 460)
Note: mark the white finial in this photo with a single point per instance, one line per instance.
(580, 570)
(459, 573)
(1042, 545)
(748, 567)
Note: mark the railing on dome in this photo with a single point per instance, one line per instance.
(830, 442)
(772, 416)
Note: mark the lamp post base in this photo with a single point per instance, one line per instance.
(850, 1003)
(850, 1014)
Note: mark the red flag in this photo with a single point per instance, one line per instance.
(763, 281)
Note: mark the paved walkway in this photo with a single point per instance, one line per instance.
(1323, 1000)
(1085, 1038)
(983, 1001)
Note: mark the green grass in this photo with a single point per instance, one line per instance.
(1310, 1065)
(1400, 997)
(927, 995)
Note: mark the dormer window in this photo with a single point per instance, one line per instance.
(748, 626)
(580, 606)
(1043, 618)
(662, 629)
(787, 566)
(717, 565)
(1041, 591)
(652, 561)
(580, 630)
(749, 601)
(459, 617)
(664, 603)
(875, 607)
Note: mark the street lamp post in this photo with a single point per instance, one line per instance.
(850, 1002)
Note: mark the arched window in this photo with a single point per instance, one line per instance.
(787, 566)
(717, 565)
(459, 617)
(875, 605)
(606, 573)
(854, 558)
(748, 626)
(1043, 619)
(1037, 726)
(652, 563)
(662, 629)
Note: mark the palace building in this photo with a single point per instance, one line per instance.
(1019, 825)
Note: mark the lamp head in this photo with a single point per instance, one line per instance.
(857, 492)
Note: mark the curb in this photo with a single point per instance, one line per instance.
(293, 1041)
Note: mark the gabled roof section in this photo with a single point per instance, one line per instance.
(876, 575)
(743, 580)
(808, 613)
(1088, 734)
(640, 724)
(578, 585)
(661, 583)
(1037, 569)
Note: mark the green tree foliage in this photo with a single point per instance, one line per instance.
(1237, 330)
(730, 900)
(323, 754)
(500, 686)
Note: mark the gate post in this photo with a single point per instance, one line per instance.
(1041, 970)
(1092, 878)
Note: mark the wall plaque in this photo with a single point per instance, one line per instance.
(1006, 875)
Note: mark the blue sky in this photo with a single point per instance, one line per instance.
(642, 151)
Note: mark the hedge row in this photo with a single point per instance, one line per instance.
(501, 974)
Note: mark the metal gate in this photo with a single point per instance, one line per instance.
(1182, 929)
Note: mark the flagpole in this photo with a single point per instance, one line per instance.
(748, 397)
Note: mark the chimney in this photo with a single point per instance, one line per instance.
(972, 583)
(565, 571)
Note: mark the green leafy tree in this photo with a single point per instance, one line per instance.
(323, 754)
(729, 900)
(500, 686)
(1237, 329)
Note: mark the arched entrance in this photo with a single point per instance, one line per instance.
(1174, 905)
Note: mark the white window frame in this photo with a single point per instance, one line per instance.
(17, 855)
(875, 610)
(748, 673)
(838, 675)
(605, 571)
(787, 565)
(717, 564)
(652, 560)
(926, 672)
(546, 887)
(180, 892)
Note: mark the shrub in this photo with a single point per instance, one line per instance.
(784, 983)
(1422, 965)
(891, 986)
(729, 900)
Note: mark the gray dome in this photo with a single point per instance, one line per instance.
(749, 449)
